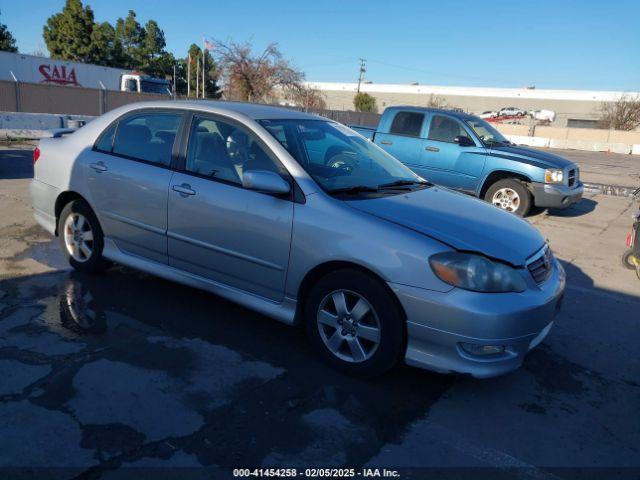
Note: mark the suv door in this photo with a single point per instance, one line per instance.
(220, 230)
(128, 175)
(445, 162)
(404, 138)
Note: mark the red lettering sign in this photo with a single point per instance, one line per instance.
(58, 75)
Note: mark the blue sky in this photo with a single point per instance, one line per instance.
(584, 44)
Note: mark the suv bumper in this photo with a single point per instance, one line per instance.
(556, 196)
(439, 325)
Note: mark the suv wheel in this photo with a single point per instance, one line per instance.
(510, 195)
(354, 322)
(81, 237)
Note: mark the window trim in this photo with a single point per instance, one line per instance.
(424, 117)
(295, 192)
(460, 123)
(134, 113)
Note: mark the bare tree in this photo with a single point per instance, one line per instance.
(623, 114)
(306, 97)
(436, 101)
(256, 77)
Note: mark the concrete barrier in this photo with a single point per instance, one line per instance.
(34, 125)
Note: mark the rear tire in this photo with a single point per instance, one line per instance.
(81, 237)
(510, 195)
(627, 260)
(355, 323)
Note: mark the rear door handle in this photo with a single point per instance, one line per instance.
(386, 142)
(184, 189)
(432, 149)
(99, 166)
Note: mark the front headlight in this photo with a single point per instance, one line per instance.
(475, 272)
(553, 176)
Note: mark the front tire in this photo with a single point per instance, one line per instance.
(81, 237)
(627, 260)
(354, 322)
(510, 195)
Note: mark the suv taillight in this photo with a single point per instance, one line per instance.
(36, 155)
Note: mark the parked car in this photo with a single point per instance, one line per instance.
(466, 153)
(303, 220)
(488, 114)
(511, 112)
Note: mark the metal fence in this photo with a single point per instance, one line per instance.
(38, 98)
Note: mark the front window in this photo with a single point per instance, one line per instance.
(337, 157)
(485, 132)
(147, 86)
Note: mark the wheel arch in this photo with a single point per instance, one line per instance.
(63, 199)
(319, 271)
(497, 175)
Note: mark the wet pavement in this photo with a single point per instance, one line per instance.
(124, 375)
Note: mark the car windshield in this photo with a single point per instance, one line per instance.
(488, 134)
(148, 86)
(338, 158)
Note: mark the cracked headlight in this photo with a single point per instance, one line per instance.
(476, 273)
(553, 176)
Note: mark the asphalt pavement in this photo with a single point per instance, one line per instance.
(124, 375)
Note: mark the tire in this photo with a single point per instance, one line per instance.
(627, 260)
(638, 271)
(87, 259)
(499, 195)
(380, 311)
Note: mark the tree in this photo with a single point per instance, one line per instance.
(363, 102)
(68, 33)
(436, 101)
(255, 77)
(130, 34)
(7, 42)
(307, 97)
(623, 114)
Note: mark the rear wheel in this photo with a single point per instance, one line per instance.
(354, 323)
(81, 237)
(510, 195)
(629, 260)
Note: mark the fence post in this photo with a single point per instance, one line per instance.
(17, 91)
(102, 101)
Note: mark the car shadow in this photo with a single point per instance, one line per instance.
(583, 207)
(16, 164)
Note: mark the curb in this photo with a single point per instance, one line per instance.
(612, 190)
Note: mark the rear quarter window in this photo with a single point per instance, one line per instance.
(105, 142)
(407, 123)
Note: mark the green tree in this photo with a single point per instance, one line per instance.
(130, 34)
(7, 42)
(363, 102)
(106, 48)
(68, 33)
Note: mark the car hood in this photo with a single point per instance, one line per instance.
(531, 156)
(465, 223)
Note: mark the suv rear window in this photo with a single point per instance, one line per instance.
(407, 123)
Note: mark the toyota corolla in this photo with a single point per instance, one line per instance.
(300, 218)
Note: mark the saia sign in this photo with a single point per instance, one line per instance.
(59, 75)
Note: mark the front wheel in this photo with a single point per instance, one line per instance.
(510, 195)
(354, 323)
(81, 237)
(629, 260)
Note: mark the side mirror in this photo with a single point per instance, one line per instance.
(464, 141)
(265, 182)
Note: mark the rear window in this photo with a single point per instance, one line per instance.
(105, 143)
(407, 123)
(148, 137)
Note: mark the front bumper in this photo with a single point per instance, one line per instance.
(439, 323)
(556, 196)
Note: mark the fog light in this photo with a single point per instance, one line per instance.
(475, 349)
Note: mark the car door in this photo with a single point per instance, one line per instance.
(128, 173)
(404, 138)
(219, 230)
(446, 162)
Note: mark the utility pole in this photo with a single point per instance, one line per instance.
(363, 61)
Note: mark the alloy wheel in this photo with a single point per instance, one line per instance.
(507, 199)
(78, 237)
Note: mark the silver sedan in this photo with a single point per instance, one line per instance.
(302, 219)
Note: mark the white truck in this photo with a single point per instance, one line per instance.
(32, 69)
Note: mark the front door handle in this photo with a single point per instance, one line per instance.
(386, 142)
(99, 166)
(184, 189)
(432, 149)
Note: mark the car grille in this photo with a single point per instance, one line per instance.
(541, 265)
(573, 176)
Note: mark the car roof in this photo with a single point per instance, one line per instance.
(251, 110)
(412, 108)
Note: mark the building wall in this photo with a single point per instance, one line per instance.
(568, 104)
